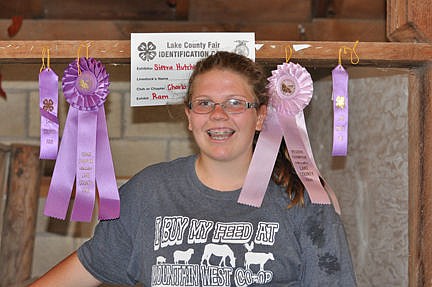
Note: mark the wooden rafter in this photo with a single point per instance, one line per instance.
(322, 8)
(308, 53)
(322, 29)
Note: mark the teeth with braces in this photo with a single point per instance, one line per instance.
(220, 134)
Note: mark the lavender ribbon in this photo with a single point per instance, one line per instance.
(291, 89)
(48, 106)
(84, 153)
(340, 111)
(263, 159)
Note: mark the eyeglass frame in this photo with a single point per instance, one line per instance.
(245, 104)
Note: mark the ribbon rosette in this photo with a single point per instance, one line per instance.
(84, 151)
(291, 90)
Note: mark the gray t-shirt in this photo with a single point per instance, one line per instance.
(175, 231)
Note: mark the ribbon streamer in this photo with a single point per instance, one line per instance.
(291, 90)
(48, 106)
(340, 111)
(84, 154)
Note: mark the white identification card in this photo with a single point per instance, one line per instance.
(161, 63)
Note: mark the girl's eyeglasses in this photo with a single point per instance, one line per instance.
(230, 106)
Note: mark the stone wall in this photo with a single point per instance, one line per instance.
(371, 182)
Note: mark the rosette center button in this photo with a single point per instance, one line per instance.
(286, 86)
(86, 83)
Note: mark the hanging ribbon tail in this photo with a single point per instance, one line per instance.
(332, 196)
(109, 200)
(261, 166)
(302, 160)
(300, 121)
(340, 111)
(59, 193)
(304, 137)
(86, 165)
(48, 105)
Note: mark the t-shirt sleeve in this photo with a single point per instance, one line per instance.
(107, 255)
(325, 251)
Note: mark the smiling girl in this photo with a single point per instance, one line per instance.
(180, 223)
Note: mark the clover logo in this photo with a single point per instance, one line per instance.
(340, 102)
(48, 105)
(147, 51)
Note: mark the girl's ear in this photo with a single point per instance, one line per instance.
(262, 113)
(187, 112)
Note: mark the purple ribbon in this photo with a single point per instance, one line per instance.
(340, 111)
(84, 153)
(291, 89)
(48, 106)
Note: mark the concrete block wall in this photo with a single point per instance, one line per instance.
(139, 136)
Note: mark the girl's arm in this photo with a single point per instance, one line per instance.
(69, 272)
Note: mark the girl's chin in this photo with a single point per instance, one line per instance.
(223, 155)
(217, 156)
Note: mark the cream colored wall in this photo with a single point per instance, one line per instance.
(371, 182)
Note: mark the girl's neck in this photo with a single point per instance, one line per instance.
(221, 175)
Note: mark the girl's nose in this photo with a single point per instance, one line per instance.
(218, 112)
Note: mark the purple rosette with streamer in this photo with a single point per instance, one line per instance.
(84, 156)
(291, 89)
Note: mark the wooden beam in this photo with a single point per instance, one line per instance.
(322, 8)
(346, 30)
(83, 9)
(26, 8)
(316, 30)
(311, 53)
(228, 11)
(182, 9)
(365, 9)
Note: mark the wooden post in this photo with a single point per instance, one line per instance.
(4, 168)
(19, 222)
(409, 20)
(425, 235)
(420, 177)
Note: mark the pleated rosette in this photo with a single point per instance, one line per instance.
(290, 89)
(84, 155)
(86, 88)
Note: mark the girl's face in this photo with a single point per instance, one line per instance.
(219, 135)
